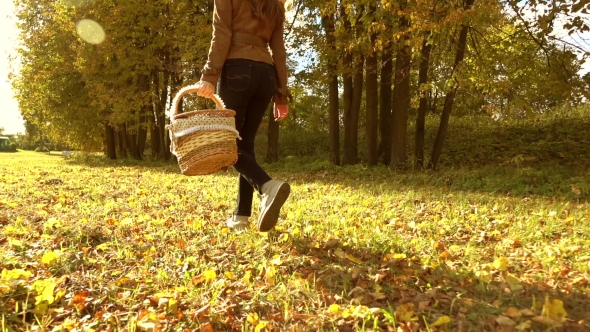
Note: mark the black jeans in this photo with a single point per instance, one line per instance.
(247, 87)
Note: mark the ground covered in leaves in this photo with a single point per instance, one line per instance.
(90, 245)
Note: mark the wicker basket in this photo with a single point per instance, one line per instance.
(203, 141)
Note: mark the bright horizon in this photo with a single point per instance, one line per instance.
(10, 118)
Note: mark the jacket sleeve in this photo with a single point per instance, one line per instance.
(279, 56)
(221, 42)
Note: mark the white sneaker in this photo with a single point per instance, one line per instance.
(237, 223)
(274, 195)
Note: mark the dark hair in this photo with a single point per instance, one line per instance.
(268, 11)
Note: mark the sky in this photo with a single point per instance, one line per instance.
(10, 118)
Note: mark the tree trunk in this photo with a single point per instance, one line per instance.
(346, 83)
(450, 98)
(372, 101)
(354, 96)
(164, 140)
(333, 98)
(154, 134)
(385, 105)
(423, 107)
(110, 148)
(122, 138)
(132, 141)
(351, 120)
(401, 99)
(142, 129)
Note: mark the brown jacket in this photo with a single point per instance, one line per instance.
(238, 35)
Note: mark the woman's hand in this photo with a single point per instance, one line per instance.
(280, 111)
(206, 89)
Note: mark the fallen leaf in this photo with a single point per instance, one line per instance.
(405, 313)
(173, 306)
(501, 263)
(276, 260)
(270, 274)
(252, 318)
(505, 321)
(334, 308)
(207, 328)
(247, 276)
(553, 309)
(423, 305)
(442, 320)
(512, 312)
(544, 320)
(513, 283)
(260, 326)
(50, 257)
(524, 326)
(210, 275)
(353, 259)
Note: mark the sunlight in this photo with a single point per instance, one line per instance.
(90, 31)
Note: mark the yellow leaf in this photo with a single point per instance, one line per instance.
(271, 271)
(501, 263)
(353, 259)
(260, 326)
(50, 257)
(15, 243)
(553, 309)
(59, 295)
(173, 306)
(405, 313)
(44, 288)
(253, 318)
(246, 277)
(334, 308)
(16, 274)
(229, 275)
(210, 275)
(283, 237)
(276, 260)
(442, 320)
(399, 256)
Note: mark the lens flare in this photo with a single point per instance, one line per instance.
(90, 31)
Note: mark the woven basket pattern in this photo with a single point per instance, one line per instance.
(201, 150)
(199, 120)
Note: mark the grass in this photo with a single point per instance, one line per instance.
(496, 239)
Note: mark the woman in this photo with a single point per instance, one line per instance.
(247, 76)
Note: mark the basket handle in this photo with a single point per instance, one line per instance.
(190, 89)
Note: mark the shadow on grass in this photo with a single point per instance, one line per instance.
(346, 275)
(532, 158)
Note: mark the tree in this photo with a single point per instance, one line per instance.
(450, 98)
(401, 91)
(372, 94)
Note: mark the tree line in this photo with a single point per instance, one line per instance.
(362, 71)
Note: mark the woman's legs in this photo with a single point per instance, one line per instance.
(246, 87)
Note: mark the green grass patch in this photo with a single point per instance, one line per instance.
(496, 239)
